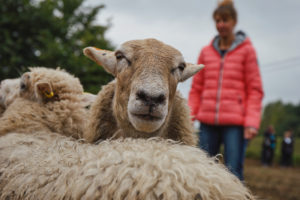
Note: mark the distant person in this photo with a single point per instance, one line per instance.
(268, 146)
(287, 148)
(226, 95)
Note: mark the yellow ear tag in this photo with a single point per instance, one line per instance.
(49, 95)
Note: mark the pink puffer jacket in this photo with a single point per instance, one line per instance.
(228, 91)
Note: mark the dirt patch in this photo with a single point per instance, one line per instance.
(272, 183)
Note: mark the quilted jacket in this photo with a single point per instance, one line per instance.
(228, 91)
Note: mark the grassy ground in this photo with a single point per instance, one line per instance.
(272, 183)
(275, 182)
(255, 145)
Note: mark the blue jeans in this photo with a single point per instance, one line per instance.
(211, 138)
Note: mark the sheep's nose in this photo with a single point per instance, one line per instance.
(150, 100)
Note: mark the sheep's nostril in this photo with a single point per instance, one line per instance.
(141, 95)
(160, 99)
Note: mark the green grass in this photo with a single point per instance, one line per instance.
(255, 147)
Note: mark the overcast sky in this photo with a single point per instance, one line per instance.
(272, 25)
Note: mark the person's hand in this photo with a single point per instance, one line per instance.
(250, 132)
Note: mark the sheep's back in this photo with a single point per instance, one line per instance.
(51, 166)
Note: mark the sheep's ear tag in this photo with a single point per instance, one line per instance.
(49, 95)
(45, 89)
(190, 70)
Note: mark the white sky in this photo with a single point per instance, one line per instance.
(273, 27)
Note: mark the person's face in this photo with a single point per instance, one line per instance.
(224, 25)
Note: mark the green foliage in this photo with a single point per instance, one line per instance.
(51, 33)
(282, 117)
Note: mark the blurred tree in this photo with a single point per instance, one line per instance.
(51, 33)
(282, 117)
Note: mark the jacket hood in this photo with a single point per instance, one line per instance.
(240, 37)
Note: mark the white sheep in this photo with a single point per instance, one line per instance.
(52, 166)
(88, 99)
(50, 100)
(9, 91)
(142, 101)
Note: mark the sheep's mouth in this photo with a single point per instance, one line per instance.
(148, 117)
(145, 120)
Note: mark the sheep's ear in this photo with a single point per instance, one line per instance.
(105, 58)
(44, 89)
(190, 70)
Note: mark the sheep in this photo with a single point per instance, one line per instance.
(9, 91)
(88, 99)
(49, 100)
(52, 166)
(142, 101)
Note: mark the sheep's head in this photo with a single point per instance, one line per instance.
(147, 74)
(88, 99)
(45, 84)
(9, 90)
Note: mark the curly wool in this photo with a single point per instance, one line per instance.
(31, 112)
(64, 85)
(51, 166)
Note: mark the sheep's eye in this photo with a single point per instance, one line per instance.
(181, 66)
(119, 55)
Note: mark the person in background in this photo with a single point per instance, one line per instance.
(226, 95)
(287, 148)
(268, 146)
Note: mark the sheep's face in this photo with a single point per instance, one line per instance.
(9, 90)
(45, 84)
(88, 99)
(147, 73)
